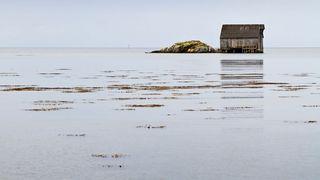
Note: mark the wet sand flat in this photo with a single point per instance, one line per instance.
(124, 114)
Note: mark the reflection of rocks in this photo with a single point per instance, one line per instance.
(187, 47)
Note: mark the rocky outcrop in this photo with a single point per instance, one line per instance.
(187, 47)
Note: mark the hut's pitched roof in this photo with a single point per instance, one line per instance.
(240, 31)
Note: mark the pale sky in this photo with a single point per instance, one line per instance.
(152, 23)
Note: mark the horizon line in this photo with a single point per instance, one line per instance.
(124, 47)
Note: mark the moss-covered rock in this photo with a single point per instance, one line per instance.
(187, 47)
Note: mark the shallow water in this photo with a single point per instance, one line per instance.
(124, 114)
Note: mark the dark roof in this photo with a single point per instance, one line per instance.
(239, 31)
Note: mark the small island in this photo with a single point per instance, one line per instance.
(193, 46)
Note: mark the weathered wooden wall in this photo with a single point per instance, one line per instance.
(245, 44)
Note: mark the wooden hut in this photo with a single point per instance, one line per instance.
(242, 38)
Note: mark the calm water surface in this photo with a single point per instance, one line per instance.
(124, 114)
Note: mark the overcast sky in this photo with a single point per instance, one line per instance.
(152, 23)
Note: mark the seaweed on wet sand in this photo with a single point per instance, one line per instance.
(82, 90)
(291, 122)
(117, 76)
(144, 105)
(186, 94)
(305, 122)
(238, 108)
(202, 110)
(11, 74)
(117, 155)
(30, 88)
(102, 99)
(190, 110)
(125, 109)
(132, 98)
(288, 96)
(311, 122)
(209, 109)
(230, 108)
(157, 88)
(15, 86)
(242, 97)
(148, 126)
(88, 101)
(50, 105)
(185, 81)
(168, 98)
(61, 89)
(48, 109)
(311, 106)
(141, 98)
(89, 77)
(203, 102)
(99, 155)
(302, 74)
(151, 94)
(107, 71)
(51, 73)
(52, 102)
(113, 166)
(121, 87)
(148, 77)
(215, 118)
(293, 87)
(73, 135)
(211, 81)
(112, 155)
(63, 69)
(127, 70)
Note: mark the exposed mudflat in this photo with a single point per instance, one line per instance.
(124, 114)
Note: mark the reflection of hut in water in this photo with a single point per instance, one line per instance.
(241, 99)
(242, 38)
(239, 73)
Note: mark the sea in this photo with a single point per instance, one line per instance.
(98, 113)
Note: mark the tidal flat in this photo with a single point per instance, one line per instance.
(124, 114)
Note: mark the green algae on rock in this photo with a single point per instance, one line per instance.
(193, 46)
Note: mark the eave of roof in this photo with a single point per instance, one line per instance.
(241, 31)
